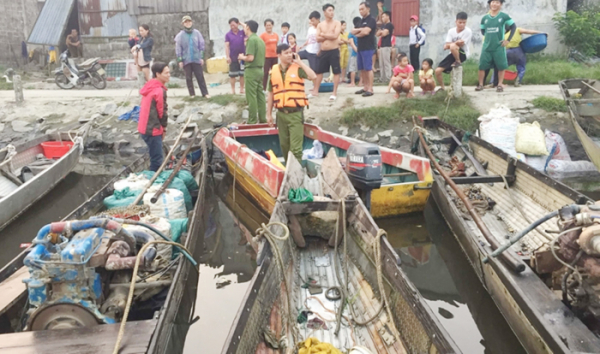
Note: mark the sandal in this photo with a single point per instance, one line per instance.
(479, 88)
(499, 89)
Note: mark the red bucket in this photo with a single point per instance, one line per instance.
(56, 149)
(510, 75)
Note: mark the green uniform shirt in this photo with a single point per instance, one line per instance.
(301, 73)
(494, 28)
(255, 46)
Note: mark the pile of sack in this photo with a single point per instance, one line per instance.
(545, 151)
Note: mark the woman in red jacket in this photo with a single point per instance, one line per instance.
(152, 123)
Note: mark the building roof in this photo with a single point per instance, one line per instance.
(51, 22)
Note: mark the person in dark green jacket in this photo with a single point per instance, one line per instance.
(254, 60)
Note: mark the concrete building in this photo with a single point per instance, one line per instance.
(17, 18)
(103, 24)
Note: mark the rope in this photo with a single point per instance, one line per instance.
(386, 301)
(330, 311)
(264, 231)
(132, 287)
(344, 288)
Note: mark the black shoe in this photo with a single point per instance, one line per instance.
(367, 94)
(359, 92)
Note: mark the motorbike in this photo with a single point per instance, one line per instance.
(70, 75)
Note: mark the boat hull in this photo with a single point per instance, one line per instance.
(541, 322)
(262, 180)
(28, 193)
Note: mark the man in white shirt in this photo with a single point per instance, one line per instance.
(311, 45)
(416, 40)
(458, 41)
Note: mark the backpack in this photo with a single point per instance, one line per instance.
(417, 33)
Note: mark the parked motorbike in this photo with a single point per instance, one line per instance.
(71, 75)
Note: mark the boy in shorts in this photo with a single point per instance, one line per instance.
(493, 52)
(352, 63)
(458, 41)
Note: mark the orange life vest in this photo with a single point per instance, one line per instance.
(288, 93)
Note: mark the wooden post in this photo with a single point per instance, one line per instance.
(457, 75)
(18, 87)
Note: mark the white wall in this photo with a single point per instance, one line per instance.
(294, 12)
(438, 16)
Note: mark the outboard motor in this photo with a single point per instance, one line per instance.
(364, 168)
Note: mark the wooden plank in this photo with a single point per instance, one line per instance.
(482, 179)
(90, 340)
(12, 289)
(305, 208)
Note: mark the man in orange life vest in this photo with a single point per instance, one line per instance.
(286, 93)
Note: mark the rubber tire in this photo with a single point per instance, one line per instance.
(59, 76)
(102, 81)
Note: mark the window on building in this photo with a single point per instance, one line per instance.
(401, 12)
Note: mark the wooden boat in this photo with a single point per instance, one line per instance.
(163, 331)
(584, 108)
(504, 198)
(295, 277)
(17, 195)
(405, 188)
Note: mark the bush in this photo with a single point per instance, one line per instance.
(580, 31)
(550, 104)
(457, 112)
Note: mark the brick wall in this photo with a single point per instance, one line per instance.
(17, 18)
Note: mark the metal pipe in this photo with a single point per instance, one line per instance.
(162, 167)
(514, 264)
(521, 234)
(173, 173)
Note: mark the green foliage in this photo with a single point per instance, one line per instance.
(580, 31)
(457, 112)
(222, 100)
(173, 85)
(550, 104)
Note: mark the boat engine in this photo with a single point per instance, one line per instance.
(575, 264)
(80, 273)
(364, 168)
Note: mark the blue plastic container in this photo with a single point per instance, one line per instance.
(326, 87)
(535, 43)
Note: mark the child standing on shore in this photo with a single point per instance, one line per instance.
(344, 53)
(493, 26)
(426, 76)
(292, 42)
(402, 81)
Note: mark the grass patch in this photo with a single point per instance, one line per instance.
(460, 113)
(349, 103)
(173, 85)
(550, 104)
(179, 106)
(541, 70)
(222, 100)
(5, 85)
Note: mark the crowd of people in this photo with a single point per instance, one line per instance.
(274, 66)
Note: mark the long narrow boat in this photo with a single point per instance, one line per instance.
(296, 291)
(584, 108)
(486, 206)
(161, 327)
(17, 195)
(405, 188)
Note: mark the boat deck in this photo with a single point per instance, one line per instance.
(316, 261)
(90, 340)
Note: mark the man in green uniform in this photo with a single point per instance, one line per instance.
(290, 101)
(493, 53)
(253, 73)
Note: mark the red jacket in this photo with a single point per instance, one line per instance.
(153, 110)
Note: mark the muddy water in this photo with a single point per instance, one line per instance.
(431, 258)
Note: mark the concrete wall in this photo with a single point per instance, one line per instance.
(17, 18)
(438, 16)
(164, 28)
(295, 13)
